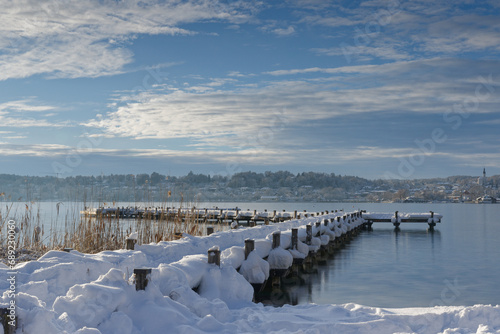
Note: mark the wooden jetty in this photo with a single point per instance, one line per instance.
(204, 215)
(397, 218)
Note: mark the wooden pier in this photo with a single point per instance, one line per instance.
(397, 218)
(204, 215)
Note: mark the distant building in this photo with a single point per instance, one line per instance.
(466, 196)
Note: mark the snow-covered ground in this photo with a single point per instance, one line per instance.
(82, 293)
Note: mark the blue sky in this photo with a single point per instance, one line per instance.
(377, 89)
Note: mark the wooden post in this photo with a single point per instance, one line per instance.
(6, 318)
(131, 243)
(141, 278)
(210, 230)
(214, 255)
(295, 214)
(249, 247)
(326, 221)
(318, 224)
(67, 249)
(309, 234)
(396, 223)
(295, 237)
(276, 239)
(433, 222)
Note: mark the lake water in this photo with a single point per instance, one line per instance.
(456, 264)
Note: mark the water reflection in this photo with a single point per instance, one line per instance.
(369, 269)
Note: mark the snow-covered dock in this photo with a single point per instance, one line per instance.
(197, 214)
(206, 285)
(397, 218)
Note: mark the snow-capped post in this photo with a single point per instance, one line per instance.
(295, 214)
(325, 222)
(131, 240)
(295, 237)
(141, 278)
(67, 250)
(249, 247)
(214, 255)
(318, 224)
(276, 239)
(309, 234)
(9, 321)
(210, 230)
(131, 243)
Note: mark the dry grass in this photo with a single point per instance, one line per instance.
(90, 234)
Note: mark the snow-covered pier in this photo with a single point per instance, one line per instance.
(213, 215)
(397, 218)
(204, 284)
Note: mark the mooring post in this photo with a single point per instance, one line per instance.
(433, 222)
(396, 223)
(210, 230)
(325, 222)
(67, 249)
(131, 243)
(249, 247)
(295, 237)
(214, 255)
(309, 234)
(276, 239)
(141, 278)
(318, 228)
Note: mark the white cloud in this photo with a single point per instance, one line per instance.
(284, 32)
(281, 112)
(70, 39)
(25, 113)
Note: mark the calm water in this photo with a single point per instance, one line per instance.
(457, 264)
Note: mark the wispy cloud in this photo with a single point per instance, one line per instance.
(231, 116)
(71, 39)
(26, 113)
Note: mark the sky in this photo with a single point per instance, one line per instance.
(376, 89)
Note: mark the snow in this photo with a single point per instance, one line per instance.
(254, 268)
(280, 258)
(95, 293)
